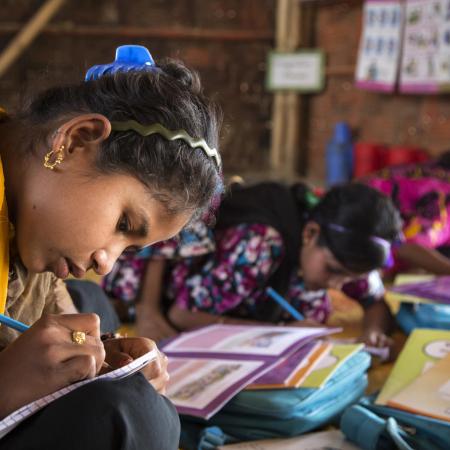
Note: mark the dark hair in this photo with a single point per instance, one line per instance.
(180, 177)
(365, 213)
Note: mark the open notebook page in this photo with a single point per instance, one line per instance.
(11, 421)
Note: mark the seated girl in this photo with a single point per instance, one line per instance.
(125, 159)
(271, 235)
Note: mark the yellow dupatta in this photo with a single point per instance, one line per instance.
(4, 243)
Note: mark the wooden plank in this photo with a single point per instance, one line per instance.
(29, 32)
(143, 32)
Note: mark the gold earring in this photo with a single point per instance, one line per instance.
(53, 158)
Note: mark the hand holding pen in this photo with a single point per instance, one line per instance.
(46, 357)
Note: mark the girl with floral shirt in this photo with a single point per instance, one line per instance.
(269, 235)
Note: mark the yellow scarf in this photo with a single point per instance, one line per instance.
(4, 243)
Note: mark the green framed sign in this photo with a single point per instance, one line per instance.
(302, 71)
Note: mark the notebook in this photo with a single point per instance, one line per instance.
(434, 290)
(210, 365)
(428, 394)
(292, 370)
(422, 350)
(11, 421)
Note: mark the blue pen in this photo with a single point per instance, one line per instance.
(19, 326)
(284, 304)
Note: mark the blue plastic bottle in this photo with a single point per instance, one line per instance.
(339, 155)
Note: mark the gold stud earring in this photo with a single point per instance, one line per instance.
(54, 157)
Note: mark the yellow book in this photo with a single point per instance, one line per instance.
(335, 357)
(429, 394)
(422, 350)
(291, 372)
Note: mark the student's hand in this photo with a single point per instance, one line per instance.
(122, 351)
(45, 359)
(377, 338)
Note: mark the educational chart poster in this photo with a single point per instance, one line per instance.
(380, 45)
(425, 65)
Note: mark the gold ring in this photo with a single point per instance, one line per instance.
(78, 337)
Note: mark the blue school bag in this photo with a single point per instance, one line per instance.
(276, 413)
(374, 427)
(411, 316)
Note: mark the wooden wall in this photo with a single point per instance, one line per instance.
(227, 41)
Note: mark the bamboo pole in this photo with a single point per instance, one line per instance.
(24, 38)
(291, 146)
(284, 144)
(308, 20)
(279, 101)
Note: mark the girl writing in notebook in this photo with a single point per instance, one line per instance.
(272, 235)
(123, 160)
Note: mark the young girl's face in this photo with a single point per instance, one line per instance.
(75, 220)
(319, 268)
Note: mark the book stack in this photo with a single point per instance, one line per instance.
(420, 380)
(210, 365)
(241, 383)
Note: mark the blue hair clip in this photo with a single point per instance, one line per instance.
(128, 57)
(137, 57)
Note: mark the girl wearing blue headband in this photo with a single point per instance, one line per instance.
(123, 160)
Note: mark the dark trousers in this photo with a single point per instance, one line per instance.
(89, 297)
(125, 414)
